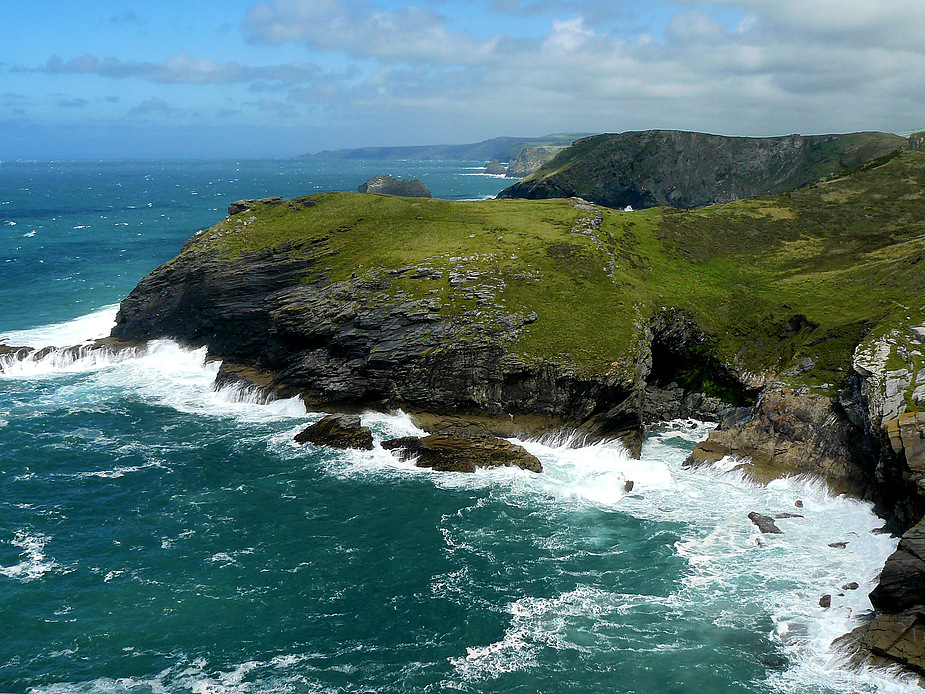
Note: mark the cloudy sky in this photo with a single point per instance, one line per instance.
(277, 78)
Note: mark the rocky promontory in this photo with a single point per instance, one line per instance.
(386, 185)
(795, 321)
(688, 170)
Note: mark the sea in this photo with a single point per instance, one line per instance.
(160, 536)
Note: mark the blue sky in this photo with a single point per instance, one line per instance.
(277, 78)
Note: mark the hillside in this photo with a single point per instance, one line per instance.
(688, 170)
(504, 149)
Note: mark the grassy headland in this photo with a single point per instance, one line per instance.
(787, 283)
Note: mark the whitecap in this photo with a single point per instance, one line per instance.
(34, 563)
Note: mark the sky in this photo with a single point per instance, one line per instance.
(101, 79)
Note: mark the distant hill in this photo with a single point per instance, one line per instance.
(501, 148)
(687, 170)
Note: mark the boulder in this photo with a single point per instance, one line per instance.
(386, 185)
(338, 431)
(456, 453)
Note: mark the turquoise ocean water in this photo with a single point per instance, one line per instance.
(158, 536)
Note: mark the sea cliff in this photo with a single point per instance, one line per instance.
(794, 320)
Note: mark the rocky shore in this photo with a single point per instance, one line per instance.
(509, 318)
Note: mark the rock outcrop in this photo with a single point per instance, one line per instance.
(456, 453)
(239, 206)
(495, 168)
(790, 431)
(338, 431)
(386, 185)
(567, 314)
(687, 170)
(531, 159)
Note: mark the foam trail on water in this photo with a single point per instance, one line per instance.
(82, 329)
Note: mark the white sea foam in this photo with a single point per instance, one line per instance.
(162, 372)
(73, 332)
(731, 564)
(34, 564)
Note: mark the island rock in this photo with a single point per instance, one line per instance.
(386, 185)
(337, 431)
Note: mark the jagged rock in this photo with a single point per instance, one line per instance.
(902, 580)
(386, 185)
(825, 602)
(765, 524)
(239, 206)
(495, 168)
(794, 432)
(338, 431)
(456, 453)
(900, 638)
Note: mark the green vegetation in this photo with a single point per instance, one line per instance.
(785, 283)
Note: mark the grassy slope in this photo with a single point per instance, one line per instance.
(844, 252)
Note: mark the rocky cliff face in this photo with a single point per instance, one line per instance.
(688, 170)
(530, 159)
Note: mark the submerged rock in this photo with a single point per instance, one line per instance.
(455, 453)
(338, 431)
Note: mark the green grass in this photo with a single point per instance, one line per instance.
(844, 253)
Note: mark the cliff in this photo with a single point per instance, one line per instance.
(795, 320)
(689, 170)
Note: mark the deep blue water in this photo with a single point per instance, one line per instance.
(157, 536)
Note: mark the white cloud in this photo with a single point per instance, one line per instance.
(362, 29)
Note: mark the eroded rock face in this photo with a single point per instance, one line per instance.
(338, 431)
(530, 159)
(455, 453)
(899, 638)
(792, 431)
